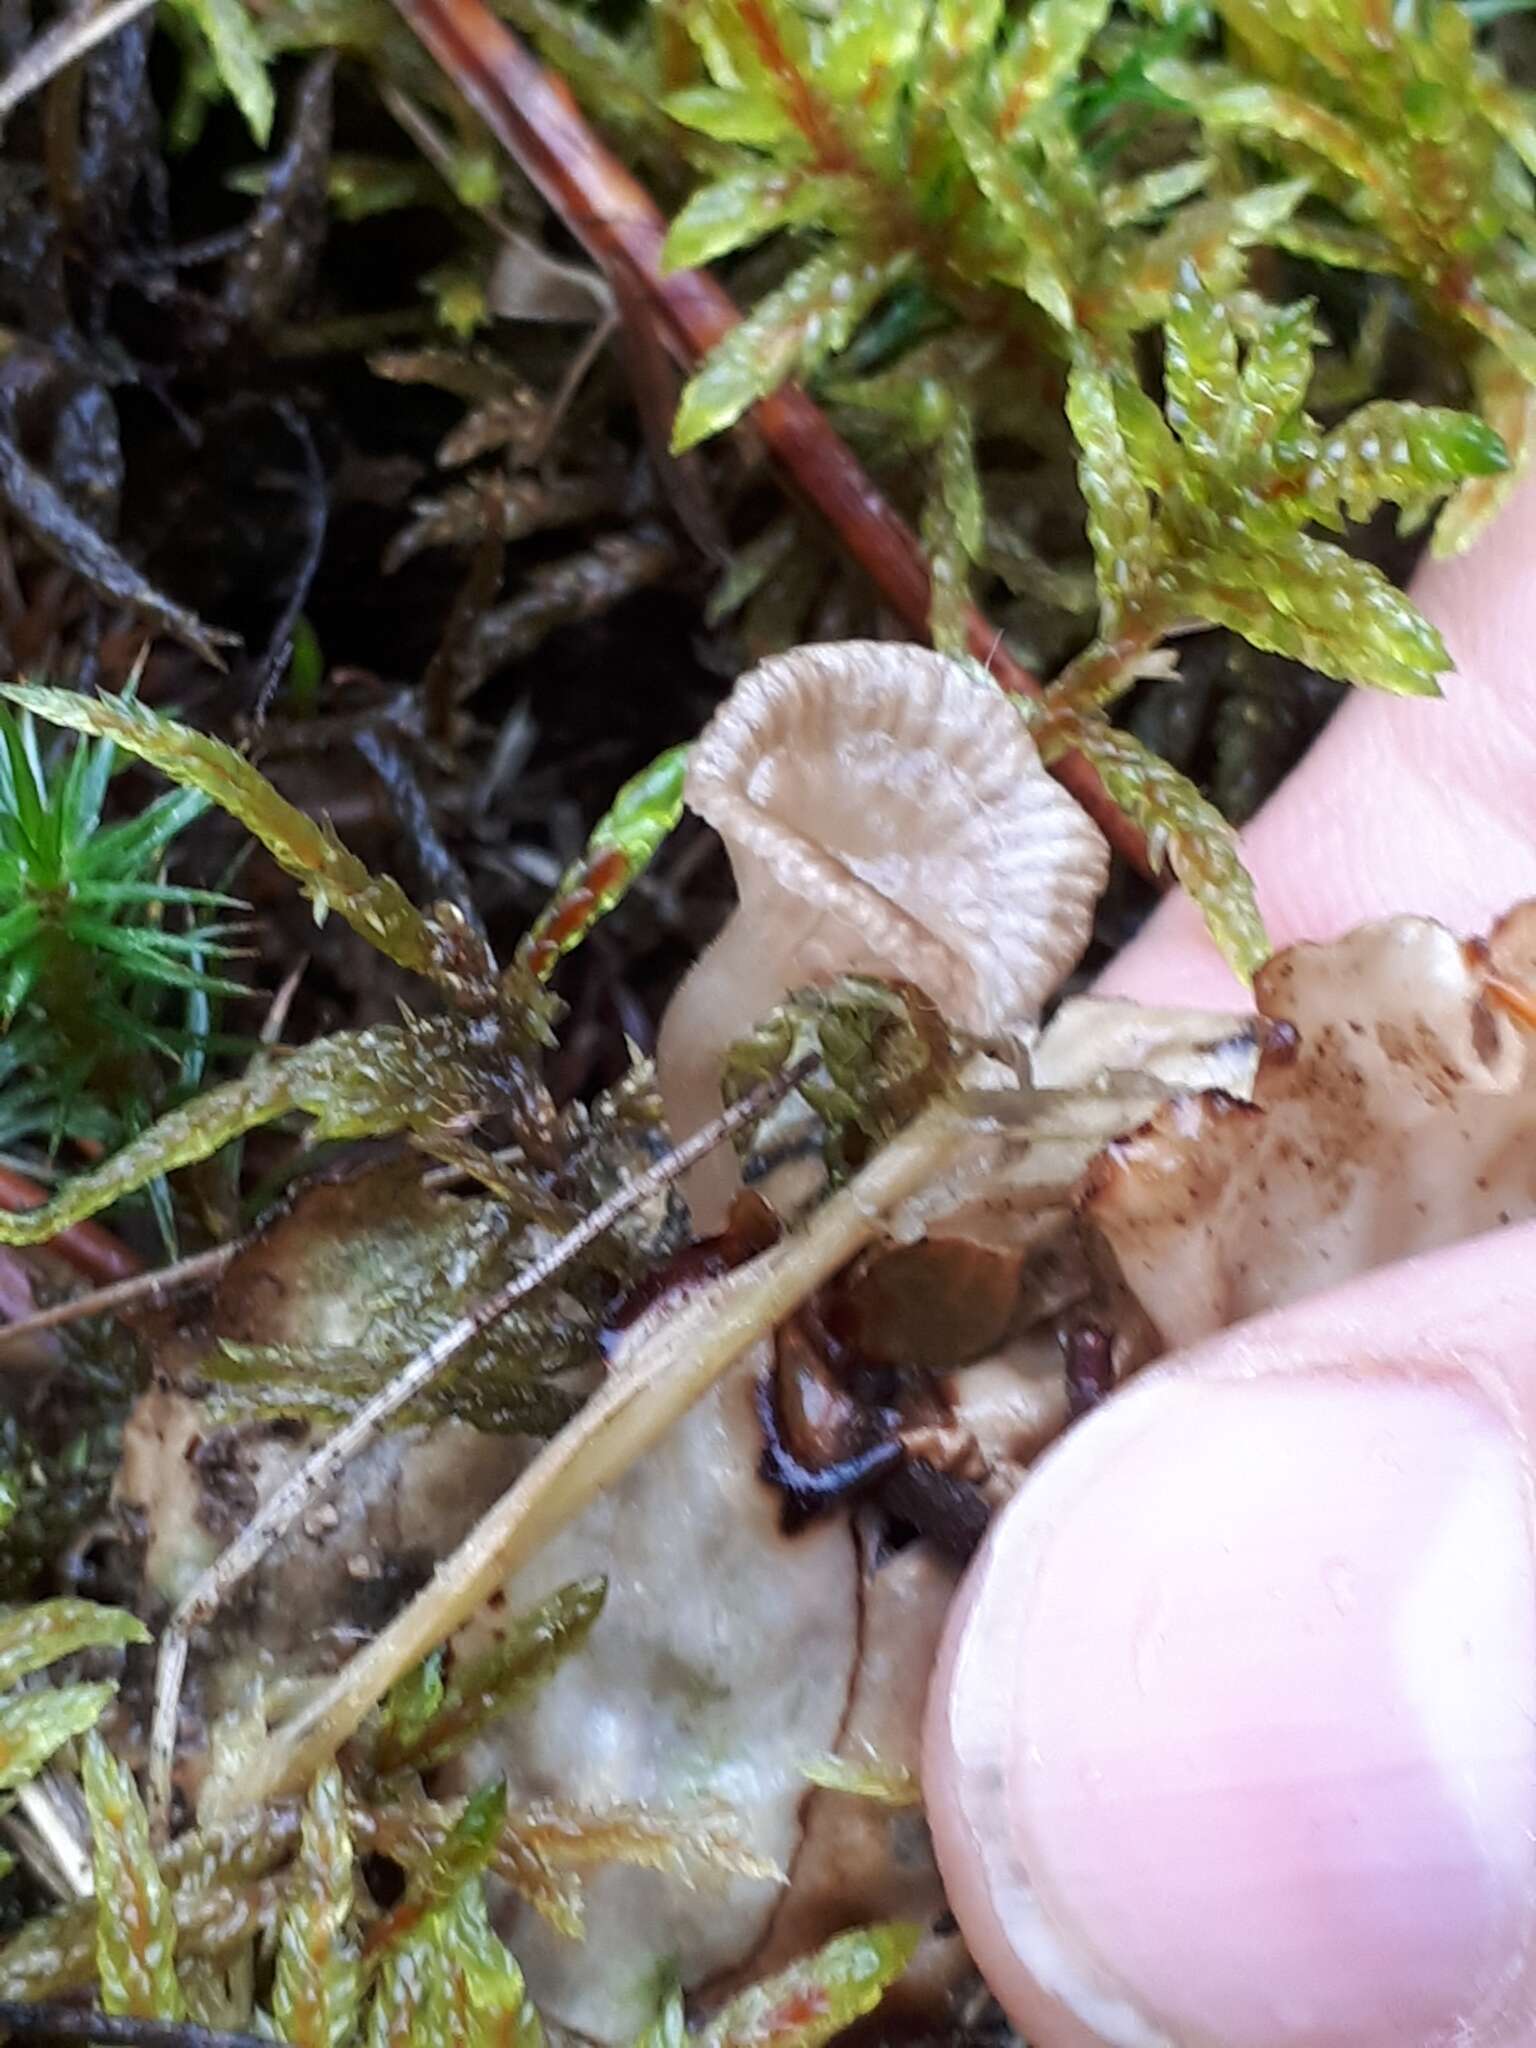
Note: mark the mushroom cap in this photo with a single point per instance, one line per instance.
(898, 801)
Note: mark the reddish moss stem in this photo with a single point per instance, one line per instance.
(534, 117)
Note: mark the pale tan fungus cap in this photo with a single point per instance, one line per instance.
(886, 812)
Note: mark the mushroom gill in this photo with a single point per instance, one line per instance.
(886, 813)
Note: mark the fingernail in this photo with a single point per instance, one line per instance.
(1238, 1743)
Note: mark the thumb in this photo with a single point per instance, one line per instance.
(1234, 1740)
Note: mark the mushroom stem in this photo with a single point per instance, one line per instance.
(670, 1370)
(734, 984)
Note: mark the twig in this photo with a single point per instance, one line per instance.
(118, 2030)
(613, 217)
(150, 1288)
(66, 41)
(89, 1248)
(668, 1373)
(319, 1472)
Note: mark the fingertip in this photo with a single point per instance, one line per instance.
(1173, 961)
(967, 1865)
(1232, 1742)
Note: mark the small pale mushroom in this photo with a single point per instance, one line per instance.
(886, 813)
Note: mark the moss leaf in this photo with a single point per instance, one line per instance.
(1277, 371)
(135, 1925)
(1044, 51)
(376, 907)
(316, 1987)
(624, 842)
(1119, 510)
(742, 208)
(953, 522)
(355, 1084)
(485, 2000)
(1321, 606)
(1037, 254)
(866, 1777)
(790, 333)
(31, 1637)
(1508, 403)
(451, 1864)
(818, 1997)
(532, 1649)
(1200, 375)
(398, 2012)
(239, 57)
(669, 2029)
(34, 1724)
(1181, 828)
(1388, 453)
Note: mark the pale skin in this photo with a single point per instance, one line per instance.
(1234, 1740)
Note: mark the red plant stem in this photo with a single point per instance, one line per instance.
(89, 1249)
(537, 122)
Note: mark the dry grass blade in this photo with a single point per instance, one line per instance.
(64, 44)
(319, 1473)
(668, 1373)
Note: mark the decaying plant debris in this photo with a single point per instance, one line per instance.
(406, 538)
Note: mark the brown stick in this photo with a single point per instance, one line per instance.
(148, 1289)
(537, 122)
